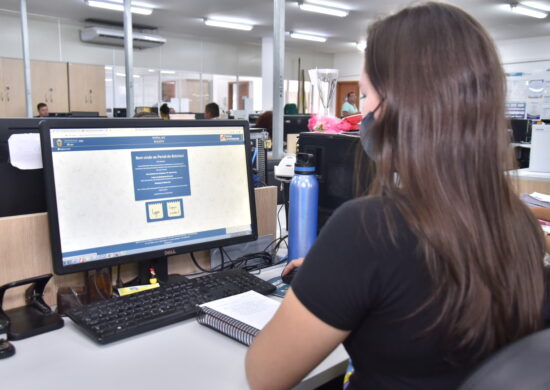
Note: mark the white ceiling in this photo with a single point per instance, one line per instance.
(185, 17)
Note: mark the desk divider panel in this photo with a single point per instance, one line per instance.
(25, 251)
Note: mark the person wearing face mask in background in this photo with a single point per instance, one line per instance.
(409, 278)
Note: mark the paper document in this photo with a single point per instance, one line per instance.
(25, 151)
(541, 197)
(251, 308)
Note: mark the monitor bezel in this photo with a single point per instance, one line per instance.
(90, 123)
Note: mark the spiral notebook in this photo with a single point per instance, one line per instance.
(240, 316)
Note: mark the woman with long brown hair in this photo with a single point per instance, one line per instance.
(441, 265)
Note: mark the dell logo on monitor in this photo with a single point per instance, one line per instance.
(169, 252)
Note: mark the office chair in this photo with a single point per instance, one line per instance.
(524, 364)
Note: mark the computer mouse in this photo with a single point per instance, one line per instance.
(288, 277)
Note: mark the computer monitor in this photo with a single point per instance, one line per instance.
(521, 130)
(343, 169)
(119, 112)
(129, 190)
(295, 124)
(22, 190)
(252, 118)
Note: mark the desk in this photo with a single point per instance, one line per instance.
(529, 181)
(180, 356)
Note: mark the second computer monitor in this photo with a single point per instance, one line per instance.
(122, 191)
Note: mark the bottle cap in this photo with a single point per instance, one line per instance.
(305, 163)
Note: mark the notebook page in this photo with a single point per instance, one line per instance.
(251, 308)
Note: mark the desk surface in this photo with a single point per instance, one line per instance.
(183, 356)
(531, 175)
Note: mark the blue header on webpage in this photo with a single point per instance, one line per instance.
(74, 144)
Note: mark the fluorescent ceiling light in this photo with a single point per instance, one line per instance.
(228, 24)
(168, 71)
(136, 76)
(141, 4)
(330, 4)
(307, 37)
(117, 6)
(107, 80)
(323, 10)
(150, 70)
(537, 5)
(108, 67)
(361, 45)
(522, 10)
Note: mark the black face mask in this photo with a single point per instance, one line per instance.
(366, 134)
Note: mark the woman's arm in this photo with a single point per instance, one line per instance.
(541, 213)
(292, 344)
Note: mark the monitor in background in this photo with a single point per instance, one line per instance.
(343, 169)
(199, 115)
(22, 190)
(121, 191)
(295, 124)
(521, 130)
(119, 112)
(252, 118)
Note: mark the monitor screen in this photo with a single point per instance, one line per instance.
(521, 130)
(129, 190)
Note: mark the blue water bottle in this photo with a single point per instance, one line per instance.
(304, 200)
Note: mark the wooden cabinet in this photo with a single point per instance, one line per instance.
(50, 85)
(87, 88)
(12, 88)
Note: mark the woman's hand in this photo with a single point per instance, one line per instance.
(293, 265)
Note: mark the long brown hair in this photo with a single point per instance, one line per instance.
(442, 129)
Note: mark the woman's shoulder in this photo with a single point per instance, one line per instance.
(371, 206)
(376, 218)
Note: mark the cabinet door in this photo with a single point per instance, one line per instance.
(13, 88)
(50, 85)
(87, 88)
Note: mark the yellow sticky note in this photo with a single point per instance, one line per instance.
(135, 289)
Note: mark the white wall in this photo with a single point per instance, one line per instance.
(524, 50)
(58, 40)
(349, 65)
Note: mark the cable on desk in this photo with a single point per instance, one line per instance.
(198, 265)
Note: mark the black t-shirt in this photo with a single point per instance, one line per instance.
(355, 279)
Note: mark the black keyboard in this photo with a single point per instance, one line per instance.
(118, 318)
